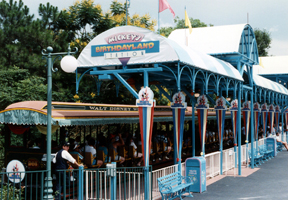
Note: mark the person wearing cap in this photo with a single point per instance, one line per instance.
(60, 161)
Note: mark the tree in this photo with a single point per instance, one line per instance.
(22, 38)
(180, 23)
(19, 85)
(263, 39)
(118, 16)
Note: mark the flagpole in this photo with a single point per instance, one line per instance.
(186, 39)
(126, 14)
(158, 17)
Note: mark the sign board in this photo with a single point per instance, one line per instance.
(15, 171)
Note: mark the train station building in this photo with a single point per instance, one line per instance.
(215, 70)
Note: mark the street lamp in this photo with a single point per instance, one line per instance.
(47, 53)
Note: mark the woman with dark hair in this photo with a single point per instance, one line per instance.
(130, 142)
(90, 148)
(102, 147)
(116, 140)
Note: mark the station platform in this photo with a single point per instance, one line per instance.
(267, 181)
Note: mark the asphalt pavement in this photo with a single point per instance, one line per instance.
(267, 182)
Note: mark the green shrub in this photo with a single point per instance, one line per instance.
(11, 192)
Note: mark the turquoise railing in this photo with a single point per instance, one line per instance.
(76, 184)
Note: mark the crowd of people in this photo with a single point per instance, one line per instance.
(115, 148)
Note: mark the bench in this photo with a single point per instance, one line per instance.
(279, 146)
(174, 185)
(264, 152)
(89, 158)
(257, 157)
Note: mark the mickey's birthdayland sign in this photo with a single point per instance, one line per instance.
(121, 46)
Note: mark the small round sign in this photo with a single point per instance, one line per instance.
(15, 171)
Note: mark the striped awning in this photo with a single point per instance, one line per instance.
(196, 58)
(268, 84)
(105, 51)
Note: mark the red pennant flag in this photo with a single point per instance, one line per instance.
(163, 5)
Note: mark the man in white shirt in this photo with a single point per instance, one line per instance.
(60, 161)
(90, 148)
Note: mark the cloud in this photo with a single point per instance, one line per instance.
(166, 25)
(274, 29)
(278, 47)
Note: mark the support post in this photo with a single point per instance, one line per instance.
(111, 172)
(48, 180)
(239, 130)
(193, 128)
(126, 14)
(252, 130)
(47, 53)
(146, 105)
(80, 183)
(282, 123)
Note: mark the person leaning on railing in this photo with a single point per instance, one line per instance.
(60, 161)
(278, 139)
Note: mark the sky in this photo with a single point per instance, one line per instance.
(271, 15)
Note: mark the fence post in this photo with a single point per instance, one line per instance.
(111, 172)
(146, 178)
(80, 183)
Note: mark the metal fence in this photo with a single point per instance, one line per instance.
(31, 187)
(159, 173)
(95, 184)
(212, 164)
(130, 183)
(76, 184)
(70, 182)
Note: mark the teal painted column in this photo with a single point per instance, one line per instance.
(48, 179)
(80, 183)
(113, 181)
(47, 53)
(146, 168)
(239, 129)
(282, 123)
(193, 127)
(252, 130)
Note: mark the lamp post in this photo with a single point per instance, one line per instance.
(47, 53)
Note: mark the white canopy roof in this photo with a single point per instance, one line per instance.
(169, 51)
(211, 40)
(268, 84)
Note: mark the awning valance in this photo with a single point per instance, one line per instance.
(82, 114)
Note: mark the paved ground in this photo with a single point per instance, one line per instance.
(268, 181)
